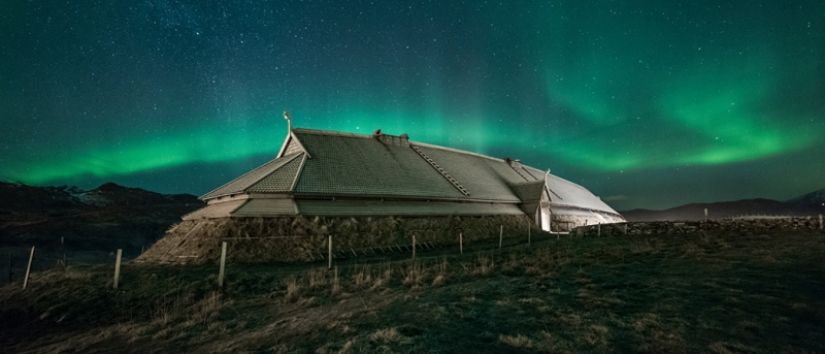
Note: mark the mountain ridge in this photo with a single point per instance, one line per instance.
(87, 224)
(804, 205)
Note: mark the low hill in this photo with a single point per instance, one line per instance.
(804, 205)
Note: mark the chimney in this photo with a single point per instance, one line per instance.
(377, 133)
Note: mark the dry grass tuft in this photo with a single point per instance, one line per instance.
(293, 290)
(512, 265)
(656, 338)
(484, 266)
(439, 280)
(362, 279)
(386, 336)
(317, 278)
(518, 341)
(441, 273)
(414, 275)
(660, 341)
(719, 348)
(569, 319)
(648, 320)
(596, 335)
(78, 274)
(382, 280)
(336, 284)
(207, 308)
(347, 346)
(547, 343)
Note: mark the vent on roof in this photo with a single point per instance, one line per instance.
(402, 141)
(441, 170)
(516, 166)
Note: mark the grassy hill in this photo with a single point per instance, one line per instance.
(726, 293)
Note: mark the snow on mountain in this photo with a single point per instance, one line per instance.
(813, 198)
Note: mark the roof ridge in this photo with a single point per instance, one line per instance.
(465, 152)
(412, 142)
(329, 132)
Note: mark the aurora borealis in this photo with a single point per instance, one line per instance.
(646, 103)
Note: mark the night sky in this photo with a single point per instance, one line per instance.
(646, 103)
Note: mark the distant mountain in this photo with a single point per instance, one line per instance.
(23, 198)
(98, 220)
(20, 198)
(808, 204)
(810, 199)
(113, 194)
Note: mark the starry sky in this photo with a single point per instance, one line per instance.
(649, 104)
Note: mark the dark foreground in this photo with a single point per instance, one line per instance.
(756, 293)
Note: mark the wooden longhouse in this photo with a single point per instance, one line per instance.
(371, 192)
(334, 174)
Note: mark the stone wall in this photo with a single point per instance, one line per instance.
(565, 223)
(305, 239)
(809, 223)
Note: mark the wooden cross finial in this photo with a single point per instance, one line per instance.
(288, 119)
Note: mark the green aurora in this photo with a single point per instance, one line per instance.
(601, 93)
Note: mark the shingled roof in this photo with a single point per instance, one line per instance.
(354, 164)
(274, 176)
(326, 163)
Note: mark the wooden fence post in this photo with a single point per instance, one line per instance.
(329, 253)
(10, 264)
(28, 269)
(706, 214)
(820, 221)
(500, 236)
(413, 244)
(625, 229)
(223, 265)
(117, 266)
(461, 242)
(528, 234)
(599, 230)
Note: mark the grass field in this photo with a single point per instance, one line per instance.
(696, 293)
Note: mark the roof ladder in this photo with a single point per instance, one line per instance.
(441, 170)
(520, 174)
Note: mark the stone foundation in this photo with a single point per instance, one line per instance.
(716, 226)
(305, 239)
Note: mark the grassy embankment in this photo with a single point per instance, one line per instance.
(685, 293)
